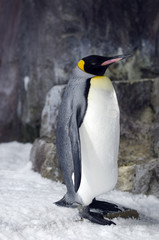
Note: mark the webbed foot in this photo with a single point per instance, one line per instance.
(93, 216)
(66, 202)
(111, 210)
(106, 207)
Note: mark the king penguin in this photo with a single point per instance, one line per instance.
(87, 136)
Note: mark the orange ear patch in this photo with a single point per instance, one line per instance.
(81, 65)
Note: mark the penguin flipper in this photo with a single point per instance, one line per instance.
(76, 152)
(94, 217)
(76, 121)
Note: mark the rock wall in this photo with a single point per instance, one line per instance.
(42, 40)
(139, 142)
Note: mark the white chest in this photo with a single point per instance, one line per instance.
(99, 136)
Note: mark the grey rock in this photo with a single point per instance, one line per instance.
(125, 178)
(146, 178)
(142, 178)
(50, 111)
(137, 120)
(155, 103)
(43, 153)
(43, 157)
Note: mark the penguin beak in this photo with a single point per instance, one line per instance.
(115, 59)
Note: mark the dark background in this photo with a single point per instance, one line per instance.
(41, 42)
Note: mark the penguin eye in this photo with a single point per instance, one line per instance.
(93, 63)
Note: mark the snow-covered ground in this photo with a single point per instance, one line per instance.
(27, 210)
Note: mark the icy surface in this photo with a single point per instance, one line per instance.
(27, 210)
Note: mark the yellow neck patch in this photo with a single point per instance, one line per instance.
(101, 82)
(81, 65)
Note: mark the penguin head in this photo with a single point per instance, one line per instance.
(97, 65)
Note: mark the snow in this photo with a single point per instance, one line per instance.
(27, 211)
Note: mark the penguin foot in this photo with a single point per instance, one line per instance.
(94, 217)
(111, 210)
(64, 202)
(106, 207)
